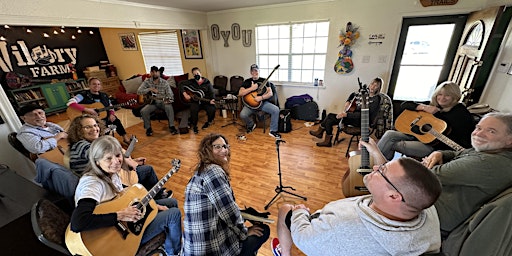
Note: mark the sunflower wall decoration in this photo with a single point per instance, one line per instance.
(347, 39)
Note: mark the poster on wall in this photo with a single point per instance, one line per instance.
(128, 41)
(191, 44)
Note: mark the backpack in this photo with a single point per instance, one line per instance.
(297, 101)
(306, 112)
(285, 121)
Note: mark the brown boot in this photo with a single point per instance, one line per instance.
(326, 142)
(318, 133)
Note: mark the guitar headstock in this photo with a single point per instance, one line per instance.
(176, 164)
(364, 94)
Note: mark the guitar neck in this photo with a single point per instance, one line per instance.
(266, 79)
(365, 136)
(158, 186)
(452, 144)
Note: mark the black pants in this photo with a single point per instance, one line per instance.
(195, 107)
(119, 126)
(331, 120)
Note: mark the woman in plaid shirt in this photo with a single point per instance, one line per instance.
(213, 223)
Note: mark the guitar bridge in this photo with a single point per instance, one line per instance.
(361, 188)
(122, 229)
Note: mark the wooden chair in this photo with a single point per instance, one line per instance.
(49, 223)
(16, 144)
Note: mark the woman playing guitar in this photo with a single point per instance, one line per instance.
(444, 105)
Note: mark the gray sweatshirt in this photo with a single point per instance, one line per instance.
(350, 227)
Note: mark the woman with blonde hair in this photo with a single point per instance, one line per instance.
(444, 105)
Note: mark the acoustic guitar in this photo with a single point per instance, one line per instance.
(195, 95)
(128, 175)
(151, 97)
(249, 99)
(359, 162)
(98, 107)
(425, 127)
(123, 238)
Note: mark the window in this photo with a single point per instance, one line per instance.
(161, 49)
(300, 49)
(425, 52)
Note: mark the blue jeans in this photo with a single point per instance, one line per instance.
(168, 221)
(267, 107)
(406, 144)
(56, 178)
(252, 244)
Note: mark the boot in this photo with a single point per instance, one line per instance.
(318, 133)
(326, 142)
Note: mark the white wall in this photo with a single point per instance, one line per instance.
(372, 16)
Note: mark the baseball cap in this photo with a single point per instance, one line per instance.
(154, 68)
(28, 108)
(254, 66)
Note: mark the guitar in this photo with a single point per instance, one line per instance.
(123, 238)
(98, 107)
(249, 99)
(195, 95)
(425, 127)
(151, 97)
(127, 174)
(359, 163)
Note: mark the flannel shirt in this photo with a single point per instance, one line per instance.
(37, 139)
(164, 90)
(213, 224)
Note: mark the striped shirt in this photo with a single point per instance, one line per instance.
(213, 224)
(79, 156)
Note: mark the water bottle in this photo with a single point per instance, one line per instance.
(316, 82)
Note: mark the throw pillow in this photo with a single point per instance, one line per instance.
(132, 85)
(171, 81)
(180, 78)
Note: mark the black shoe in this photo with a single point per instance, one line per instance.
(173, 130)
(205, 125)
(196, 131)
(149, 132)
(249, 130)
(275, 135)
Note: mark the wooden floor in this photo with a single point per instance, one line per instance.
(314, 172)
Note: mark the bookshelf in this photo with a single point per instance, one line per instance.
(51, 97)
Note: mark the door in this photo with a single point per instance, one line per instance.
(477, 52)
(56, 96)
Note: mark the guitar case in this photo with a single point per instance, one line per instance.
(307, 112)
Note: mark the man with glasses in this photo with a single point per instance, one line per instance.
(397, 218)
(37, 135)
(473, 176)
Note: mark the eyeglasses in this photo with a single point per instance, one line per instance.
(219, 146)
(88, 127)
(382, 167)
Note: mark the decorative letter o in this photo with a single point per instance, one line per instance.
(215, 32)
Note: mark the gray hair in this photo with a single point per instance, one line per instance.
(506, 118)
(100, 147)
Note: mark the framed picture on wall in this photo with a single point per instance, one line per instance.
(191, 44)
(128, 41)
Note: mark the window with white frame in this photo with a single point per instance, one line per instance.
(161, 49)
(300, 48)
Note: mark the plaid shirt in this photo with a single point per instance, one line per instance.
(164, 90)
(213, 223)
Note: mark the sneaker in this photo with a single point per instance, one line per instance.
(173, 130)
(249, 130)
(206, 125)
(275, 246)
(149, 132)
(275, 134)
(196, 131)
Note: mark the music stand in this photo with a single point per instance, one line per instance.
(279, 189)
(232, 104)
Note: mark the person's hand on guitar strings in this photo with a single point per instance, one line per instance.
(427, 108)
(130, 213)
(433, 159)
(341, 115)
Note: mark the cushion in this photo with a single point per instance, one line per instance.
(132, 85)
(180, 78)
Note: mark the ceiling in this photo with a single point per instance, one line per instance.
(199, 5)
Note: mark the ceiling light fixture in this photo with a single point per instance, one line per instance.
(79, 31)
(6, 26)
(2, 38)
(73, 37)
(55, 32)
(62, 31)
(46, 35)
(91, 33)
(28, 30)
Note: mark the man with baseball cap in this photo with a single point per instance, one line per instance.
(250, 85)
(37, 135)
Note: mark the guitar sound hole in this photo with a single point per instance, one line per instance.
(416, 129)
(426, 127)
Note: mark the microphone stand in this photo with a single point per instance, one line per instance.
(280, 189)
(233, 105)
